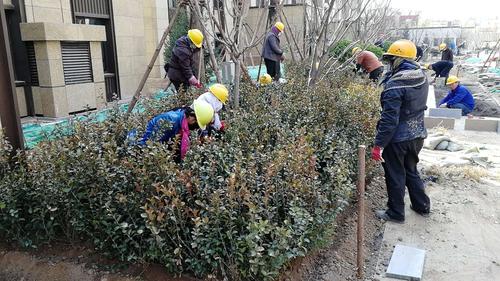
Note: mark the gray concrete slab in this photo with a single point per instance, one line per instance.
(482, 125)
(407, 263)
(433, 122)
(445, 112)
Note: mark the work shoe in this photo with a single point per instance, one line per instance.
(381, 214)
(423, 214)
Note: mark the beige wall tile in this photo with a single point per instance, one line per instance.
(29, 13)
(43, 14)
(50, 31)
(81, 97)
(97, 70)
(48, 50)
(47, 3)
(50, 73)
(67, 16)
(128, 85)
(21, 102)
(37, 100)
(54, 102)
(100, 95)
(96, 50)
(125, 65)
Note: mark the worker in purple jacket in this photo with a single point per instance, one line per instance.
(272, 52)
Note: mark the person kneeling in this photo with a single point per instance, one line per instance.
(173, 127)
(459, 97)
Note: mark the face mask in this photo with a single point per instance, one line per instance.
(279, 34)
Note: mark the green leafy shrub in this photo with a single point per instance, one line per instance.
(240, 207)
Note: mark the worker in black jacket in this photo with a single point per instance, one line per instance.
(180, 69)
(401, 131)
(446, 53)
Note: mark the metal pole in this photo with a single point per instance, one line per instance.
(361, 209)
(9, 113)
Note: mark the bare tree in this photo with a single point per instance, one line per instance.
(233, 39)
(336, 20)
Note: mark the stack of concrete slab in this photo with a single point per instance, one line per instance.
(483, 125)
(442, 117)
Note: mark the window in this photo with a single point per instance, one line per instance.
(77, 63)
(91, 8)
(262, 3)
(30, 50)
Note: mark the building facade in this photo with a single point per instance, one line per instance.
(74, 55)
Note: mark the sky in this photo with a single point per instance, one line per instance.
(450, 9)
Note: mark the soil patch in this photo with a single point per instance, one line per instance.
(337, 261)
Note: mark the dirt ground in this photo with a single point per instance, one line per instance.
(337, 261)
(462, 235)
(76, 263)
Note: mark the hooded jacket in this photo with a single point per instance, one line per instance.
(403, 102)
(182, 64)
(272, 50)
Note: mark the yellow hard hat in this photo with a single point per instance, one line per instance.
(280, 26)
(355, 50)
(402, 48)
(265, 79)
(442, 46)
(196, 37)
(204, 113)
(220, 91)
(452, 79)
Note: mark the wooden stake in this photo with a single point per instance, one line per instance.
(361, 209)
(200, 63)
(145, 76)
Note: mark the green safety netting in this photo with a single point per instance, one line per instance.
(37, 132)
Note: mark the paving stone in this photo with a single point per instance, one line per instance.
(483, 125)
(432, 122)
(445, 112)
(407, 263)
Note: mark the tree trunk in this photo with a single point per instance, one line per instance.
(210, 48)
(196, 22)
(236, 88)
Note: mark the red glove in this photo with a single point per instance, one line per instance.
(198, 85)
(223, 126)
(377, 153)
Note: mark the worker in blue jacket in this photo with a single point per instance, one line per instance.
(173, 127)
(401, 131)
(459, 97)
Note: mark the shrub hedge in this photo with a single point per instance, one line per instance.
(239, 207)
(338, 49)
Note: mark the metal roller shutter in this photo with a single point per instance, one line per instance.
(30, 50)
(77, 63)
(91, 8)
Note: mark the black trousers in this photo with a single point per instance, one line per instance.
(375, 74)
(401, 170)
(180, 85)
(273, 68)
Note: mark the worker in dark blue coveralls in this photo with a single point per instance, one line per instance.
(401, 131)
(443, 67)
(459, 96)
